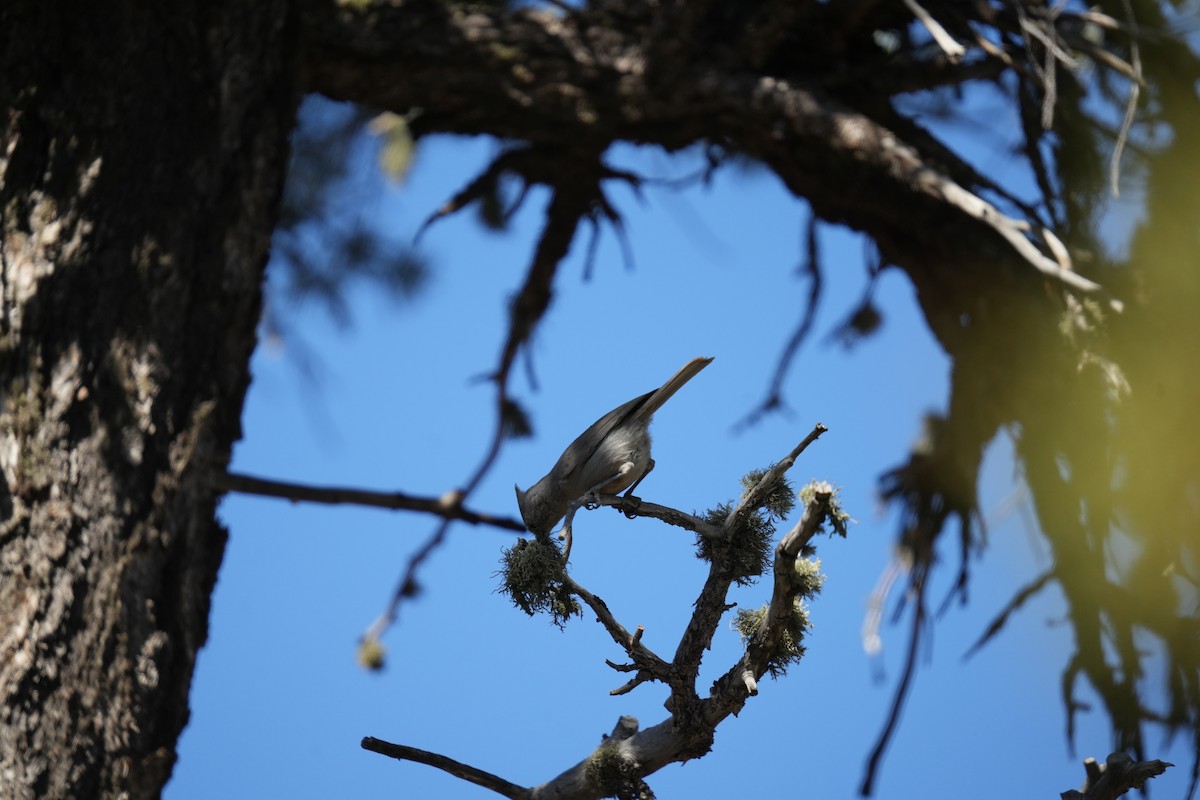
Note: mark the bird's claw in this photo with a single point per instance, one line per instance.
(636, 502)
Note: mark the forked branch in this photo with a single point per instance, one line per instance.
(626, 757)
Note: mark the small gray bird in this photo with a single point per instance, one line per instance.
(614, 453)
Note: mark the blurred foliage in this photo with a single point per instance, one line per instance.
(515, 420)
(1115, 468)
(397, 146)
(1102, 404)
(325, 243)
(371, 654)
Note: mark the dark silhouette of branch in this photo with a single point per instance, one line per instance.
(811, 267)
(571, 201)
(901, 694)
(459, 770)
(631, 643)
(1010, 608)
(448, 506)
(1115, 777)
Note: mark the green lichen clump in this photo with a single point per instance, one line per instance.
(838, 516)
(531, 573)
(780, 500)
(371, 654)
(809, 578)
(615, 775)
(789, 648)
(747, 552)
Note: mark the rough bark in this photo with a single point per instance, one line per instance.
(143, 148)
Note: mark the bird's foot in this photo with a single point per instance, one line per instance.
(636, 502)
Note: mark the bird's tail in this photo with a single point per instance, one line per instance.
(663, 393)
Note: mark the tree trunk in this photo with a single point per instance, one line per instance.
(143, 150)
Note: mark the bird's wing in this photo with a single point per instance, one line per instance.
(586, 443)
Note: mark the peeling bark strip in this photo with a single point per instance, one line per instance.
(141, 156)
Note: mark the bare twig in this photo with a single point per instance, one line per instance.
(811, 267)
(626, 688)
(636, 507)
(1131, 106)
(512, 161)
(567, 206)
(1048, 40)
(1110, 60)
(449, 506)
(642, 656)
(1018, 600)
(910, 669)
(752, 498)
(872, 641)
(459, 770)
(710, 605)
(951, 48)
(407, 586)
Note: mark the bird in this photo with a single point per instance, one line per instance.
(612, 455)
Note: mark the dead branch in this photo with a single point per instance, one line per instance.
(755, 496)
(642, 656)
(459, 770)
(1115, 777)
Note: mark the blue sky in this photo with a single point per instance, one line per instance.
(279, 705)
